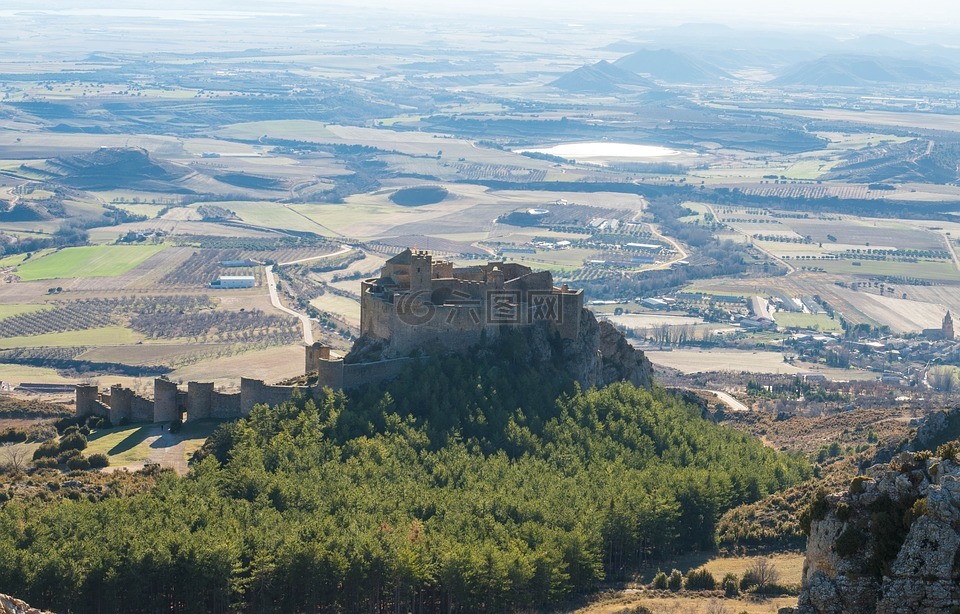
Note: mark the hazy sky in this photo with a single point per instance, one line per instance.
(892, 14)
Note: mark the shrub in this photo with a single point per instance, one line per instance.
(13, 435)
(98, 461)
(731, 585)
(675, 581)
(47, 449)
(98, 422)
(759, 576)
(78, 463)
(858, 484)
(660, 581)
(73, 441)
(842, 511)
(45, 462)
(66, 455)
(816, 511)
(700, 580)
(949, 450)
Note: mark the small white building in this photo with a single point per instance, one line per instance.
(234, 281)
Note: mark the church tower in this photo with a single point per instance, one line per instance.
(947, 327)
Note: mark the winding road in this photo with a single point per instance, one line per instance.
(275, 296)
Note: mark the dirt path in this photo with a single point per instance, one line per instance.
(168, 450)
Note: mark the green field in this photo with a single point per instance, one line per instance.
(813, 321)
(17, 259)
(940, 270)
(132, 444)
(111, 335)
(124, 445)
(8, 311)
(89, 261)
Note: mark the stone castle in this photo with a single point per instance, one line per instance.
(427, 305)
(417, 306)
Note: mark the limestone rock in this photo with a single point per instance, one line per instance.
(621, 361)
(11, 605)
(890, 545)
(599, 355)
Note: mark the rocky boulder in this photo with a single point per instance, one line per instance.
(890, 544)
(11, 605)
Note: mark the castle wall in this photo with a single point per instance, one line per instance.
(373, 372)
(331, 374)
(255, 392)
(199, 400)
(313, 355)
(571, 305)
(87, 400)
(120, 402)
(225, 405)
(165, 401)
(141, 409)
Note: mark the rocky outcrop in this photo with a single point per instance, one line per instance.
(891, 544)
(10, 605)
(621, 361)
(597, 356)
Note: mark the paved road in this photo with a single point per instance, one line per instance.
(275, 299)
(343, 250)
(730, 401)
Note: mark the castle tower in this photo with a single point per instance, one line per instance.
(421, 272)
(947, 327)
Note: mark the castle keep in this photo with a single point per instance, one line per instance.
(419, 303)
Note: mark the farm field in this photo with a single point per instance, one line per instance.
(91, 261)
(821, 321)
(902, 316)
(929, 121)
(702, 361)
(340, 306)
(932, 270)
(270, 365)
(641, 320)
(13, 309)
(111, 335)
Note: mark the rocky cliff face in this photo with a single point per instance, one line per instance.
(891, 544)
(10, 605)
(598, 356)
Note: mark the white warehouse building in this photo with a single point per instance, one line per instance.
(234, 281)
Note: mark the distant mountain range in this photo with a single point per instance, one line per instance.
(858, 70)
(600, 78)
(671, 67)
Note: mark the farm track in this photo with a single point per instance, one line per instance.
(275, 297)
(790, 268)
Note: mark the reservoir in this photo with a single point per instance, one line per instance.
(577, 151)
